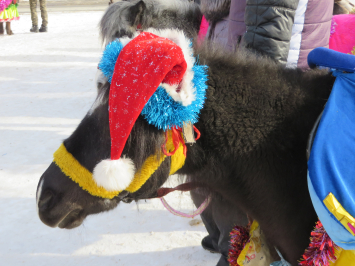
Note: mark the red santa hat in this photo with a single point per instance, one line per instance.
(144, 63)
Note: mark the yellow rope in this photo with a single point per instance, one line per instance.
(80, 175)
(152, 164)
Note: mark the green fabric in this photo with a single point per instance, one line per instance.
(10, 13)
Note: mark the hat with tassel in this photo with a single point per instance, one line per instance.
(145, 63)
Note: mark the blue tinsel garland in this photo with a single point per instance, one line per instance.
(162, 110)
(109, 58)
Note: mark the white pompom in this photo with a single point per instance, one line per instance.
(114, 175)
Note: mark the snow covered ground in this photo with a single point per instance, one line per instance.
(46, 87)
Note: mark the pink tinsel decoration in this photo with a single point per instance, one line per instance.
(203, 29)
(4, 4)
(239, 238)
(321, 250)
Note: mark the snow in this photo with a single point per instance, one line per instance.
(46, 87)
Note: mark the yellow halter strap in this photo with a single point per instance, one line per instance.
(83, 177)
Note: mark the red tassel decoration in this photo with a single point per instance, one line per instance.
(239, 238)
(321, 250)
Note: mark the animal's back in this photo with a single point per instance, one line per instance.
(251, 98)
(254, 130)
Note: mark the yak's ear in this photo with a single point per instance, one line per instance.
(136, 13)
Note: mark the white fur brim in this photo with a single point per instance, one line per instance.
(114, 175)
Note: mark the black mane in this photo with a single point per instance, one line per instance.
(124, 17)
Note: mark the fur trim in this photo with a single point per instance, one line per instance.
(114, 175)
(215, 10)
(183, 92)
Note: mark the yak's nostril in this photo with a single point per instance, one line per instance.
(45, 199)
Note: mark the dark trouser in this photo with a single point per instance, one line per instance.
(219, 218)
(44, 15)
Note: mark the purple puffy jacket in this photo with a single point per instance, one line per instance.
(285, 30)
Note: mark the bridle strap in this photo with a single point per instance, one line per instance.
(161, 192)
(200, 209)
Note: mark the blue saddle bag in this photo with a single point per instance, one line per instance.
(331, 164)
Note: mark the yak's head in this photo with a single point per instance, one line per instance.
(121, 149)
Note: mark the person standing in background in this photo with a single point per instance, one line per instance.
(8, 13)
(34, 17)
(284, 30)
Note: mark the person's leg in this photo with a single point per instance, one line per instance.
(1, 27)
(44, 15)
(8, 28)
(34, 18)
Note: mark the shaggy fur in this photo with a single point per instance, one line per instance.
(215, 10)
(123, 17)
(254, 129)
